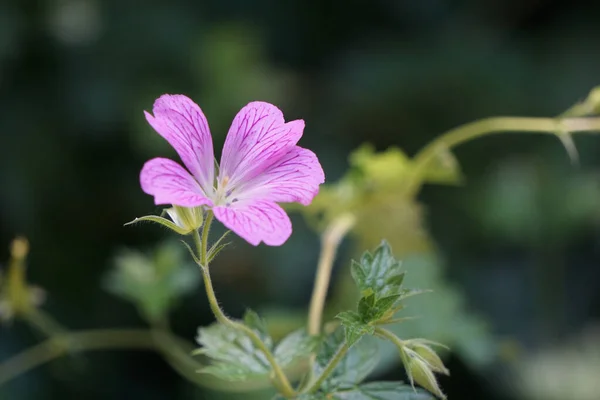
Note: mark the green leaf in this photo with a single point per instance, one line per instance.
(305, 396)
(378, 273)
(359, 361)
(382, 391)
(152, 282)
(296, 346)
(234, 356)
(254, 321)
(354, 327)
(379, 279)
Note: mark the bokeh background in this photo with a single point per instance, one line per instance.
(516, 245)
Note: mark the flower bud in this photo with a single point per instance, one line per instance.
(429, 356)
(188, 219)
(420, 372)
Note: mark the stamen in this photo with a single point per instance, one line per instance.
(225, 181)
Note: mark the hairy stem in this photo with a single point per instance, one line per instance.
(329, 368)
(330, 241)
(464, 133)
(384, 333)
(282, 382)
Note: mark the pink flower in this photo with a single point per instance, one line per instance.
(260, 167)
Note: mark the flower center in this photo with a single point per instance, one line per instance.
(222, 194)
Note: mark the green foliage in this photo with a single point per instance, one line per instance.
(382, 391)
(373, 190)
(356, 365)
(379, 279)
(153, 283)
(378, 273)
(354, 326)
(345, 382)
(236, 358)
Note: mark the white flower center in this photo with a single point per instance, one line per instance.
(223, 194)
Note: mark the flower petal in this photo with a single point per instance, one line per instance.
(257, 137)
(183, 124)
(170, 183)
(256, 221)
(293, 178)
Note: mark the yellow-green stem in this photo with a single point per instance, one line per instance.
(467, 132)
(282, 382)
(329, 368)
(43, 322)
(390, 336)
(330, 241)
(74, 342)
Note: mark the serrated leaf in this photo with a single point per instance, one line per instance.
(378, 272)
(294, 347)
(234, 356)
(406, 293)
(382, 391)
(365, 307)
(359, 361)
(354, 327)
(396, 279)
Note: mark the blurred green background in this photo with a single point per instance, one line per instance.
(516, 246)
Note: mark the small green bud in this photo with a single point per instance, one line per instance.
(420, 372)
(429, 356)
(188, 219)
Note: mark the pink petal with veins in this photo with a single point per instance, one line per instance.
(170, 183)
(258, 136)
(183, 124)
(293, 178)
(256, 221)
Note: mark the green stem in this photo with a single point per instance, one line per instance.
(282, 382)
(204, 243)
(335, 360)
(43, 322)
(390, 336)
(330, 241)
(473, 130)
(74, 342)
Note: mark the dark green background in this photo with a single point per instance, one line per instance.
(76, 75)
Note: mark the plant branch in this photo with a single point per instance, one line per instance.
(559, 127)
(384, 333)
(282, 382)
(330, 241)
(329, 368)
(102, 339)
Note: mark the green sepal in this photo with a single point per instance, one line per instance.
(161, 221)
